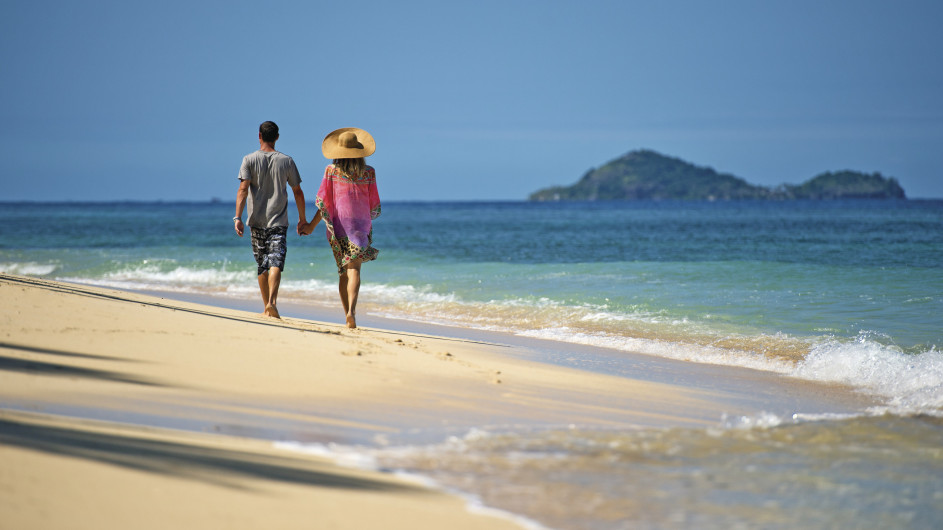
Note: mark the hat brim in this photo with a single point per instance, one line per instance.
(332, 149)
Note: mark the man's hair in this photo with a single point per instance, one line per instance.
(269, 131)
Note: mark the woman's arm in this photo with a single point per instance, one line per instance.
(309, 227)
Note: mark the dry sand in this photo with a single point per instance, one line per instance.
(123, 410)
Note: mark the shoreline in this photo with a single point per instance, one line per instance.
(814, 396)
(73, 355)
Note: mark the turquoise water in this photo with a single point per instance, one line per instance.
(845, 291)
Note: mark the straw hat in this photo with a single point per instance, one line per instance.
(349, 142)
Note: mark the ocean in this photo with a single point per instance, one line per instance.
(847, 292)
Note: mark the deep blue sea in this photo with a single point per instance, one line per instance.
(837, 291)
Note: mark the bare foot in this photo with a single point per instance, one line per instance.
(351, 322)
(271, 311)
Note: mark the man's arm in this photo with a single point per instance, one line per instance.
(300, 203)
(241, 195)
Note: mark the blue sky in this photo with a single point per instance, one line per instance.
(473, 100)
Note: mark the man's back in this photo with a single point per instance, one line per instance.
(268, 173)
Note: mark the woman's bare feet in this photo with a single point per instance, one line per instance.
(271, 311)
(351, 321)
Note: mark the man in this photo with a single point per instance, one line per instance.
(263, 178)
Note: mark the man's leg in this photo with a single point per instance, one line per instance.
(259, 252)
(274, 279)
(270, 256)
(263, 288)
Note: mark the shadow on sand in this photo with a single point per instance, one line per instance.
(217, 466)
(33, 367)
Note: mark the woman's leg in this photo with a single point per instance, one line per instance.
(342, 290)
(352, 273)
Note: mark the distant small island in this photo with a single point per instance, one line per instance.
(646, 174)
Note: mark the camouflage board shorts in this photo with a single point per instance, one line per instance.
(269, 245)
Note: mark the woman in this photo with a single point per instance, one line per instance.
(348, 202)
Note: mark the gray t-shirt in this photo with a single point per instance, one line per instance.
(268, 172)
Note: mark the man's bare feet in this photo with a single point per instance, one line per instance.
(271, 311)
(351, 322)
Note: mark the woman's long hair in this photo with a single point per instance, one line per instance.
(351, 167)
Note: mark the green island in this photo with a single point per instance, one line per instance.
(646, 174)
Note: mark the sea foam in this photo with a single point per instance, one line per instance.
(28, 268)
(161, 277)
(911, 383)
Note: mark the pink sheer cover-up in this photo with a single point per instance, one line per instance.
(348, 207)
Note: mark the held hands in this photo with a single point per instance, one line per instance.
(305, 228)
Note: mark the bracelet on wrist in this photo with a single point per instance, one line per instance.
(237, 218)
